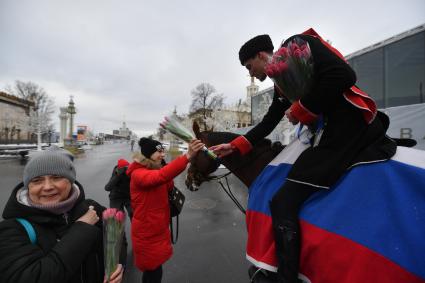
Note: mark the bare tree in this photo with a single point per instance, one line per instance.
(205, 100)
(40, 120)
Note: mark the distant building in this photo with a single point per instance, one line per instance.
(14, 119)
(124, 131)
(284, 131)
(393, 71)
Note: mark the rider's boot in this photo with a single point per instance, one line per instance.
(284, 207)
(287, 239)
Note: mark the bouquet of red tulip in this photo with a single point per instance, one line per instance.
(291, 69)
(174, 127)
(113, 232)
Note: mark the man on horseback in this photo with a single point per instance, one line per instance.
(351, 132)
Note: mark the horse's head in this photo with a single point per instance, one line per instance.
(201, 166)
(199, 171)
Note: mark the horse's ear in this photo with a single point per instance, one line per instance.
(196, 130)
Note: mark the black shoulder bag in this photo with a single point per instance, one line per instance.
(176, 200)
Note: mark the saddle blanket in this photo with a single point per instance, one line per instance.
(370, 227)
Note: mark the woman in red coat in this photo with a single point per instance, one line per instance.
(149, 187)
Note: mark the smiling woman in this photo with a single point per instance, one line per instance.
(52, 202)
(49, 189)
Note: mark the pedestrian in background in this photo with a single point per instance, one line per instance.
(149, 186)
(119, 188)
(62, 240)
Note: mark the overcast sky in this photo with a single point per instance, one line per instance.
(137, 60)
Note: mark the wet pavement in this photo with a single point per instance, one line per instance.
(212, 232)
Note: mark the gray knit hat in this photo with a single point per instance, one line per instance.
(52, 161)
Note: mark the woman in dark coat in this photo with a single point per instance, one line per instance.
(118, 187)
(68, 245)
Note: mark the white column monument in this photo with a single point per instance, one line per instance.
(71, 111)
(63, 116)
(251, 90)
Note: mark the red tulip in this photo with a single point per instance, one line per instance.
(291, 69)
(282, 67)
(298, 53)
(113, 231)
(282, 52)
(120, 216)
(108, 213)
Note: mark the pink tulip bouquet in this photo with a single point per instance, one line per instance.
(177, 129)
(113, 232)
(291, 69)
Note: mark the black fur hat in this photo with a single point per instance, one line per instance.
(149, 146)
(255, 45)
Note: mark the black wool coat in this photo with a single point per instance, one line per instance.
(119, 184)
(346, 139)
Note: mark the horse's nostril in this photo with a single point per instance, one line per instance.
(190, 186)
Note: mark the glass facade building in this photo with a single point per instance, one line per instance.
(393, 71)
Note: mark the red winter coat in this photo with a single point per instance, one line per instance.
(150, 233)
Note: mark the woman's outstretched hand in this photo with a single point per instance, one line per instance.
(223, 149)
(194, 147)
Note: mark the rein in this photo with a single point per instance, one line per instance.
(228, 191)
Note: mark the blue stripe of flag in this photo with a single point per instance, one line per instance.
(380, 206)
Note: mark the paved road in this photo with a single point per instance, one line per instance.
(212, 236)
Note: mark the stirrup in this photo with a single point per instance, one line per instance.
(259, 270)
(253, 275)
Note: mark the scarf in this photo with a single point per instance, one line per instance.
(55, 208)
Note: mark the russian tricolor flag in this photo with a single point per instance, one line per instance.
(369, 228)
